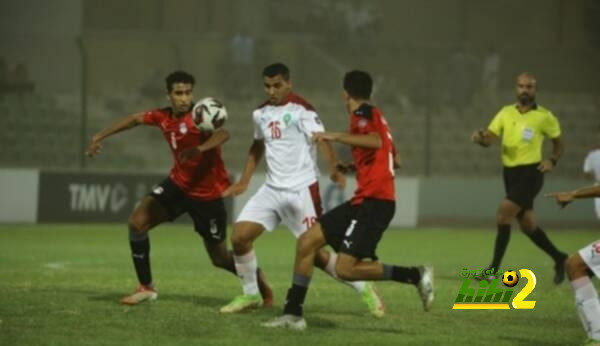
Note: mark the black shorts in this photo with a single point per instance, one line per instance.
(522, 184)
(210, 217)
(356, 229)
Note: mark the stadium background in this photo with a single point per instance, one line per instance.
(442, 69)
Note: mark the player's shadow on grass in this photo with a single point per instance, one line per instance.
(105, 297)
(527, 340)
(210, 301)
(184, 298)
(374, 327)
(449, 277)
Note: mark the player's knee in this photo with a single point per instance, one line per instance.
(138, 223)
(502, 218)
(344, 271)
(527, 228)
(321, 259)
(305, 245)
(527, 225)
(240, 241)
(575, 266)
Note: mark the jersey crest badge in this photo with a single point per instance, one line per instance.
(183, 128)
(287, 118)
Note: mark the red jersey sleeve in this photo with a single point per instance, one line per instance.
(361, 125)
(153, 117)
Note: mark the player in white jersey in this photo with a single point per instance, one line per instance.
(581, 266)
(591, 167)
(283, 128)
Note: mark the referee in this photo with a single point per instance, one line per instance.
(522, 127)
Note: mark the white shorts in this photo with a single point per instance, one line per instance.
(591, 256)
(298, 210)
(597, 203)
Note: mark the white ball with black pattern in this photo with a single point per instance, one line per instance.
(209, 114)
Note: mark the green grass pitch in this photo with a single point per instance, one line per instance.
(60, 285)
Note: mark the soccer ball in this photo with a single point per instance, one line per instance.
(510, 278)
(209, 114)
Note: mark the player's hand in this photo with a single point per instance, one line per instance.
(345, 167)
(95, 147)
(235, 189)
(478, 136)
(545, 166)
(188, 153)
(325, 136)
(562, 198)
(339, 179)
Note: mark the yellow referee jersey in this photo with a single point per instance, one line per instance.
(523, 134)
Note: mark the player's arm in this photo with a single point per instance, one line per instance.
(396, 156)
(370, 140)
(564, 198)
(123, 124)
(257, 150)
(558, 147)
(587, 192)
(483, 137)
(330, 156)
(217, 138)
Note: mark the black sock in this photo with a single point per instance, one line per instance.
(409, 275)
(296, 295)
(502, 238)
(140, 252)
(539, 238)
(230, 265)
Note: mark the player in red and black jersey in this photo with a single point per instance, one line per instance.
(195, 185)
(354, 228)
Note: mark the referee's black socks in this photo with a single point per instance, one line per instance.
(140, 252)
(502, 238)
(539, 238)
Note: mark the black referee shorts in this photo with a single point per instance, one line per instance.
(210, 217)
(356, 229)
(522, 184)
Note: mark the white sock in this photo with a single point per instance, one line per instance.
(246, 266)
(588, 306)
(330, 269)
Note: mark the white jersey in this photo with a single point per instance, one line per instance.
(591, 256)
(289, 151)
(592, 164)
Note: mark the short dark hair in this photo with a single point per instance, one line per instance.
(277, 69)
(179, 77)
(358, 84)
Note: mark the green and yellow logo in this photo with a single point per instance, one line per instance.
(490, 294)
(287, 118)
